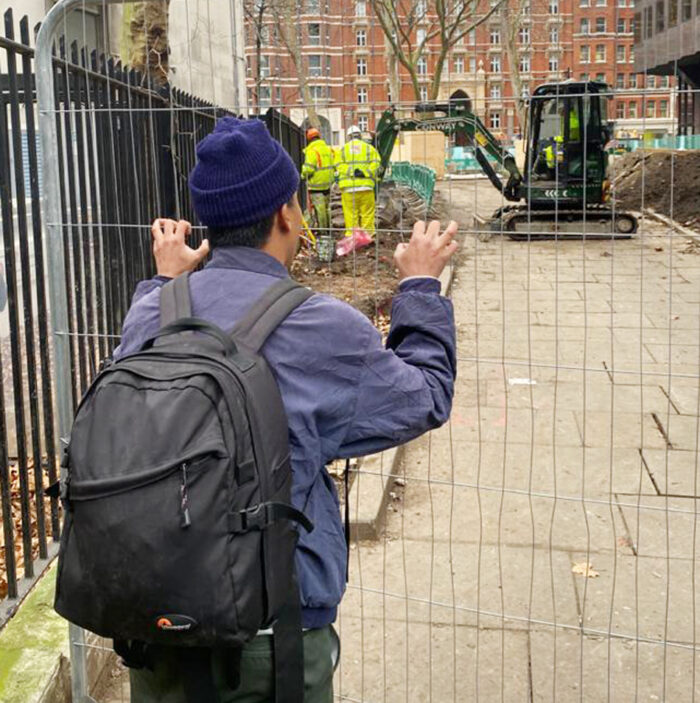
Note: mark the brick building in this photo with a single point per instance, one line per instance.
(351, 77)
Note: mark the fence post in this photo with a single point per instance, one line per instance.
(58, 303)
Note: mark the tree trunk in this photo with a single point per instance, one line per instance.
(145, 46)
(510, 28)
(289, 26)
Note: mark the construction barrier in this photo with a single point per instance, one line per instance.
(681, 142)
(419, 178)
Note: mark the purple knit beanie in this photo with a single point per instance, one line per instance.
(242, 174)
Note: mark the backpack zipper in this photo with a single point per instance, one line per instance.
(184, 499)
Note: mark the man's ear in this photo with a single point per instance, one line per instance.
(284, 218)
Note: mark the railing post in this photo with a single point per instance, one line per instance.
(56, 260)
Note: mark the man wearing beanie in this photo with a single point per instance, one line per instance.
(345, 395)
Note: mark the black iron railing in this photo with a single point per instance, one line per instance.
(125, 150)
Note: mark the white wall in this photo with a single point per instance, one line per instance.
(205, 38)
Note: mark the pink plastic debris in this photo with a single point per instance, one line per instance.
(358, 240)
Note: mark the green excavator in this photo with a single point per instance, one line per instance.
(564, 192)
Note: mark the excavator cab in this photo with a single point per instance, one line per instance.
(568, 130)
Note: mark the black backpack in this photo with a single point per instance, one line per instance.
(178, 524)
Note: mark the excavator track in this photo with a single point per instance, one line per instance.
(595, 222)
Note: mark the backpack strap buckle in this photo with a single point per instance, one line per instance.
(262, 515)
(256, 518)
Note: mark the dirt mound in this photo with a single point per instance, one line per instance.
(644, 179)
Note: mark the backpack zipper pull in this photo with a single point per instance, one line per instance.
(184, 509)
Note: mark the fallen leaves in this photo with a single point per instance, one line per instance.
(584, 568)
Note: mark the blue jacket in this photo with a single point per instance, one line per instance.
(345, 394)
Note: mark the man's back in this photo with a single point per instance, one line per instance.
(344, 394)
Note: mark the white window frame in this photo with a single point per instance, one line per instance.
(361, 67)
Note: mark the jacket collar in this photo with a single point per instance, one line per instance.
(247, 259)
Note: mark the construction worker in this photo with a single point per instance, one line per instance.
(356, 171)
(554, 152)
(318, 171)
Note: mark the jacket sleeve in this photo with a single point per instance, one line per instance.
(406, 388)
(374, 162)
(309, 167)
(341, 166)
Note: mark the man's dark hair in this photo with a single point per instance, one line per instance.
(254, 236)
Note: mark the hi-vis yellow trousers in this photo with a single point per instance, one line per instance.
(358, 211)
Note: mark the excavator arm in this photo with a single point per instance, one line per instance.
(457, 120)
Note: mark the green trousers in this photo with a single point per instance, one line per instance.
(321, 651)
(321, 201)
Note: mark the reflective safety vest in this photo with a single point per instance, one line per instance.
(554, 152)
(357, 155)
(574, 127)
(318, 168)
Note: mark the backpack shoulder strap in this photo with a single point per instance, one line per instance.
(175, 300)
(275, 304)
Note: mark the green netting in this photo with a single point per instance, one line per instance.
(419, 178)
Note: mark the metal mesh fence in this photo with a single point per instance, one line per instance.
(542, 544)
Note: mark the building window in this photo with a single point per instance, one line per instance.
(620, 111)
(314, 34)
(620, 53)
(585, 53)
(424, 93)
(360, 8)
(422, 66)
(313, 7)
(318, 92)
(631, 55)
(584, 77)
(420, 36)
(553, 64)
(620, 81)
(361, 67)
(264, 96)
(361, 37)
(651, 81)
(496, 63)
(524, 35)
(584, 3)
(554, 35)
(633, 110)
(421, 8)
(471, 36)
(686, 9)
(600, 77)
(637, 27)
(660, 16)
(600, 25)
(633, 80)
(264, 67)
(525, 63)
(648, 28)
(621, 26)
(601, 3)
(651, 109)
(585, 26)
(553, 7)
(600, 53)
(315, 67)
(363, 123)
(494, 35)
(495, 120)
(495, 91)
(362, 95)
(663, 108)
(459, 64)
(622, 3)
(472, 64)
(663, 81)
(673, 13)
